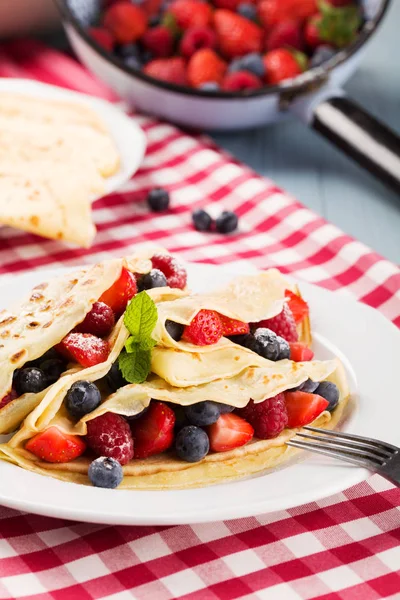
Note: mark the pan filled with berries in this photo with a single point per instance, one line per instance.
(235, 64)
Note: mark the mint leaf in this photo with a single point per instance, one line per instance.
(140, 317)
(135, 365)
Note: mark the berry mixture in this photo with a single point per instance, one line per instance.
(224, 45)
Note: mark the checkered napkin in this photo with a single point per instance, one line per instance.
(344, 547)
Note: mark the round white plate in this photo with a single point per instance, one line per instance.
(127, 135)
(368, 345)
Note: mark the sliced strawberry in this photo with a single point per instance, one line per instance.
(303, 408)
(55, 446)
(119, 294)
(8, 398)
(84, 348)
(205, 329)
(233, 326)
(300, 352)
(154, 432)
(297, 305)
(229, 432)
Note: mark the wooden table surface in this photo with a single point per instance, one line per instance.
(320, 176)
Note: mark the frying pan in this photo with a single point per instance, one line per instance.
(316, 97)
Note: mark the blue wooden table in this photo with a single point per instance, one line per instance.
(320, 176)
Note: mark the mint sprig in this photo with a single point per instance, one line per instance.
(140, 319)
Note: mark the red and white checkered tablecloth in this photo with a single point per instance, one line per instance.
(345, 547)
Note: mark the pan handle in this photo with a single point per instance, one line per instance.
(356, 132)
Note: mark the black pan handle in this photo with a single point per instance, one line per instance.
(363, 137)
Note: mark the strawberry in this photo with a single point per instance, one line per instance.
(102, 37)
(110, 435)
(84, 348)
(151, 7)
(125, 21)
(229, 432)
(233, 326)
(154, 431)
(228, 4)
(197, 38)
(190, 13)
(302, 408)
(285, 33)
(159, 41)
(300, 352)
(312, 34)
(8, 398)
(172, 70)
(121, 291)
(272, 12)
(240, 81)
(205, 65)
(297, 305)
(283, 325)
(99, 321)
(268, 418)
(55, 446)
(173, 270)
(237, 35)
(204, 330)
(280, 64)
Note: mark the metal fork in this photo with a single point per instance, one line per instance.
(374, 455)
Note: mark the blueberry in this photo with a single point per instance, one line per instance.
(202, 413)
(30, 379)
(151, 280)
(250, 62)
(201, 220)
(158, 199)
(321, 55)
(115, 378)
(154, 20)
(132, 62)
(82, 398)
(308, 386)
(330, 392)
(265, 343)
(247, 10)
(53, 369)
(227, 222)
(174, 329)
(224, 408)
(192, 444)
(128, 50)
(180, 418)
(284, 348)
(105, 472)
(210, 86)
(242, 340)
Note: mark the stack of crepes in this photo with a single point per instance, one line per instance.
(181, 373)
(55, 158)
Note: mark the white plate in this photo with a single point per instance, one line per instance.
(127, 135)
(368, 345)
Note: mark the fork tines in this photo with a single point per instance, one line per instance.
(364, 452)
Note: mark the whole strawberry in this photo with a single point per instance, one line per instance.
(268, 418)
(286, 33)
(110, 435)
(204, 330)
(190, 13)
(237, 35)
(204, 66)
(172, 70)
(280, 64)
(272, 12)
(283, 325)
(125, 21)
(312, 34)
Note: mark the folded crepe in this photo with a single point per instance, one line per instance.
(183, 374)
(48, 314)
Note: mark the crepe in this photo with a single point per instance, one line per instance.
(50, 312)
(54, 159)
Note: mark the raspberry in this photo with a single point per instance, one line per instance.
(84, 348)
(99, 321)
(196, 38)
(158, 41)
(204, 330)
(110, 435)
(8, 398)
(268, 418)
(241, 80)
(102, 37)
(174, 272)
(283, 325)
